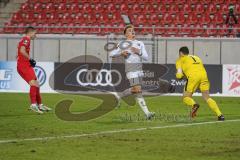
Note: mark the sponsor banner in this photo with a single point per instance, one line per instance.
(214, 75)
(10, 80)
(231, 80)
(74, 77)
(77, 77)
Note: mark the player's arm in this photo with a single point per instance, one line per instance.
(141, 52)
(179, 74)
(24, 52)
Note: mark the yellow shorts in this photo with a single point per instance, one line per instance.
(195, 82)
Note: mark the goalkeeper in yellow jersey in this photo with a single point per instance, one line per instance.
(191, 68)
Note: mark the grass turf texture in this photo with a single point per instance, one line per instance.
(208, 141)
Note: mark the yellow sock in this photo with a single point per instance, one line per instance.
(189, 101)
(213, 105)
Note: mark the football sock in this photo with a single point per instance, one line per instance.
(33, 94)
(142, 103)
(38, 96)
(213, 105)
(189, 101)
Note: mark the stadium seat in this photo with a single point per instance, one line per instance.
(173, 9)
(179, 19)
(198, 8)
(186, 8)
(207, 2)
(218, 19)
(205, 19)
(147, 13)
(211, 9)
(192, 19)
(167, 19)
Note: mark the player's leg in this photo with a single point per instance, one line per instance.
(189, 89)
(204, 87)
(137, 91)
(33, 95)
(34, 84)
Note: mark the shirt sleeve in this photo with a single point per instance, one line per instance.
(179, 73)
(116, 52)
(143, 53)
(25, 42)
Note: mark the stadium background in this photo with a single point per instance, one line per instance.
(72, 28)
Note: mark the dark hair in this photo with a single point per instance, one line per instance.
(29, 29)
(184, 50)
(125, 29)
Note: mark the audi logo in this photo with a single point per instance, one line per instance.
(96, 77)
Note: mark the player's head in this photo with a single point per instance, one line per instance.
(31, 32)
(183, 51)
(129, 32)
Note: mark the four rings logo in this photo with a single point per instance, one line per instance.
(41, 75)
(96, 77)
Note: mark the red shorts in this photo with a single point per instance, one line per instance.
(26, 72)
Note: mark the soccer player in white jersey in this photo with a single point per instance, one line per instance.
(134, 56)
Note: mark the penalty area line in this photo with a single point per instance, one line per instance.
(113, 131)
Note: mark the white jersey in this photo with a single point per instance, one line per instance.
(133, 63)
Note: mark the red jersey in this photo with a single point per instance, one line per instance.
(22, 60)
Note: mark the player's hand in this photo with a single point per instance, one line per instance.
(135, 50)
(32, 62)
(125, 54)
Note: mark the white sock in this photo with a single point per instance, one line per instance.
(142, 104)
(34, 104)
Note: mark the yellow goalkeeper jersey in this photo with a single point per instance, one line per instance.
(189, 66)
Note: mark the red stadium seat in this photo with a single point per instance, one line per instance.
(124, 8)
(223, 32)
(17, 17)
(161, 9)
(224, 9)
(193, 1)
(154, 19)
(206, 1)
(192, 19)
(198, 30)
(29, 17)
(211, 9)
(212, 30)
(187, 8)
(218, 19)
(231, 1)
(136, 8)
(205, 19)
(173, 9)
(180, 2)
(218, 2)
(179, 19)
(237, 9)
(111, 8)
(50, 7)
(184, 30)
(199, 9)
(37, 7)
(167, 19)
(61, 8)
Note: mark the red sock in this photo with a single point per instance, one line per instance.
(38, 96)
(33, 94)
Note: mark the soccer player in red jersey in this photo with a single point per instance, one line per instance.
(25, 67)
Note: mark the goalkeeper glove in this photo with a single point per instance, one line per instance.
(32, 62)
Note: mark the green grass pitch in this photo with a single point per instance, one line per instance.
(206, 141)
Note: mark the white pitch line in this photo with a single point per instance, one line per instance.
(112, 132)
